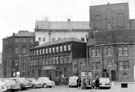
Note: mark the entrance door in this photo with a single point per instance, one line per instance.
(48, 73)
(113, 75)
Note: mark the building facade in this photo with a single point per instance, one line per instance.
(112, 55)
(14, 46)
(54, 59)
(46, 31)
(109, 16)
(24, 65)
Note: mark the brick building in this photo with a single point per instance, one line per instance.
(46, 31)
(109, 16)
(112, 54)
(14, 46)
(54, 59)
(24, 65)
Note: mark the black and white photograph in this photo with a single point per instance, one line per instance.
(67, 45)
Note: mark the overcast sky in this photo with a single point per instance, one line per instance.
(18, 15)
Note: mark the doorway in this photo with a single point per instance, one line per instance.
(113, 75)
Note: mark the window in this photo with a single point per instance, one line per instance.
(120, 65)
(31, 40)
(37, 52)
(57, 49)
(53, 39)
(125, 75)
(39, 39)
(24, 40)
(93, 52)
(109, 61)
(16, 50)
(126, 65)
(93, 65)
(125, 51)
(59, 38)
(16, 40)
(43, 51)
(57, 61)
(46, 50)
(53, 60)
(50, 50)
(98, 52)
(16, 62)
(82, 39)
(40, 51)
(69, 47)
(61, 60)
(24, 51)
(120, 51)
(98, 65)
(65, 48)
(60, 48)
(43, 39)
(53, 49)
(109, 25)
(109, 52)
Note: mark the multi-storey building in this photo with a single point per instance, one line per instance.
(112, 54)
(46, 31)
(54, 59)
(109, 16)
(14, 46)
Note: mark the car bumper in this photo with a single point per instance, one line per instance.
(105, 86)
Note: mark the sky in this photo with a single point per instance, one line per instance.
(18, 15)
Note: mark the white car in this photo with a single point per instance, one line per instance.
(3, 86)
(72, 81)
(46, 82)
(104, 83)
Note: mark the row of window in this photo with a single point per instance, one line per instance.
(50, 50)
(53, 39)
(54, 60)
(20, 40)
(24, 40)
(122, 51)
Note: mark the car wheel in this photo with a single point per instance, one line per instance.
(45, 86)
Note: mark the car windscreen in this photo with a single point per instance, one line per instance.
(104, 80)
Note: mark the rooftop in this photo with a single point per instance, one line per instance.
(71, 39)
(62, 25)
(117, 4)
(25, 33)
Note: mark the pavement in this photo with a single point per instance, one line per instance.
(116, 87)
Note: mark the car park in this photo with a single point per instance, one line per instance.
(35, 83)
(46, 82)
(72, 81)
(104, 83)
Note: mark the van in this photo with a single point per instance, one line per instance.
(72, 81)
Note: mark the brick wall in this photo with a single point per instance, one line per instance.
(115, 14)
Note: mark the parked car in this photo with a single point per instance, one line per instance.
(35, 83)
(17, 84)
(46, 82)
(3, 86)
(72, 81)
(23, 83)
(104, 83)
(11, 84)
